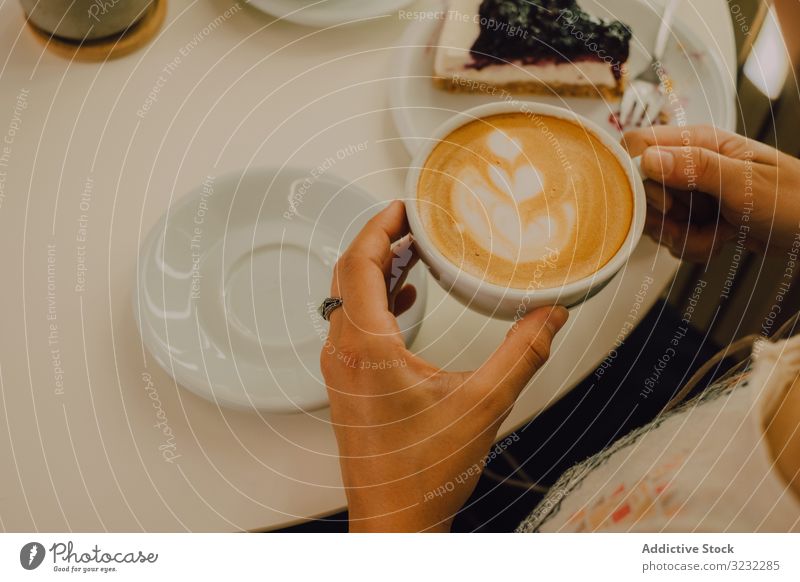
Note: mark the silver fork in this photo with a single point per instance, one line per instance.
(645, 97)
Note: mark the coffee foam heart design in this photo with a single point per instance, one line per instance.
(494, 205)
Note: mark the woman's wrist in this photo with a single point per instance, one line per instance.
(392, 508)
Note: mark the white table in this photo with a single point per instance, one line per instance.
(79, 445)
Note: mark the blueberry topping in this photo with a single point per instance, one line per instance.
(547, 31)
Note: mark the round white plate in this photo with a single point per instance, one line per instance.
(322, 13)
(701, 82)
(230, 278)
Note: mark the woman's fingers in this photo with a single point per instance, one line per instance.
(688, 241)
(525, 350)
(690, 158)
(359, 277)
(705, 136)
(694, 168)
(405, 300)
(659, 197)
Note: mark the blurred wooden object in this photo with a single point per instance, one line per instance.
(112, 47)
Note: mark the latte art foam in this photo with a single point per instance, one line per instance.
(525, 201)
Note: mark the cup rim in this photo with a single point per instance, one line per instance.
(582, 285)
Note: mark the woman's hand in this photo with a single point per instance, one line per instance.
(709, 186)
(412, 438)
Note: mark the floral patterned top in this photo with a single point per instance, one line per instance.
(704, 466)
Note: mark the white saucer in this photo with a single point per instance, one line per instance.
(230, 278)
(700, 77)
(321, 13)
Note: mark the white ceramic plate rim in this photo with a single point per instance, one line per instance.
(328, 13)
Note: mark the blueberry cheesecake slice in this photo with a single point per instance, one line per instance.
(530, 46)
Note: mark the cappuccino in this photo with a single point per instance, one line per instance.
(525, 201)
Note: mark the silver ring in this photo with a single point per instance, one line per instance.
(328, 306)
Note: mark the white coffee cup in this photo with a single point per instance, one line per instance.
(508, 302)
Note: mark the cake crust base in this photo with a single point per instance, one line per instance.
(458, 84)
